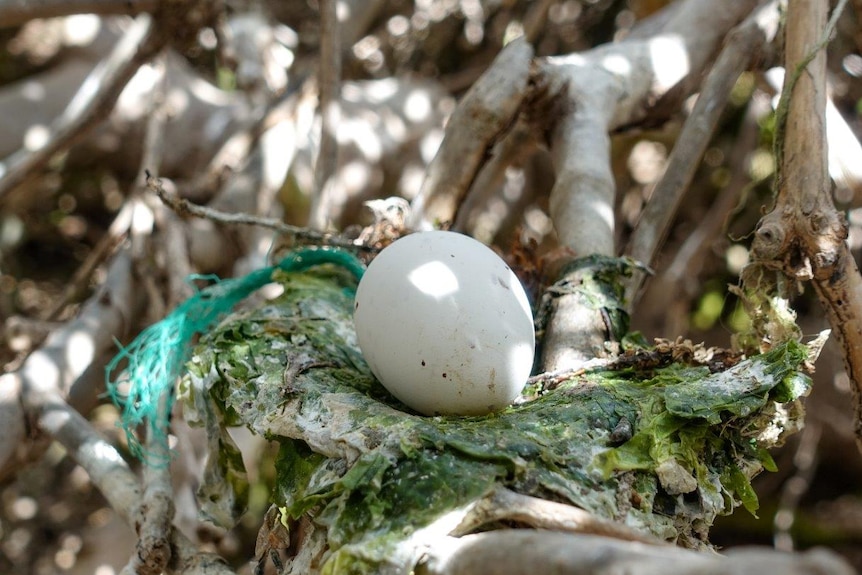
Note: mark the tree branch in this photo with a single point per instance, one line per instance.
(742, 44)
(184, 207)
(17, 12)
(582, 98)
(526, 552)
(112, 476)
(92, 103)
(69, 353)
(506, 505)
(487, 110)
(329, 110)
(804, 235)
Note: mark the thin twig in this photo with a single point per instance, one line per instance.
(92, 103)
(185, 208)
(329, 88)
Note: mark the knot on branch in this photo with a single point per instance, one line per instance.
(769, 239)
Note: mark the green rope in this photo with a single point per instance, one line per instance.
(156, 357)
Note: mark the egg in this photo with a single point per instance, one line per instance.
(445, 325)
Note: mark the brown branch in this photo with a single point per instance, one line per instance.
(804, 235)
(17, 12)
(92, 103)
(329, 109)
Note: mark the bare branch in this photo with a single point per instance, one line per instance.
(110, 473)
(482, 116)
(581, 98)
(614, 86)
(527, 552)
(329, 107)
(743, 43)
(17, 12)
(153, 551)
(68, 353)
(93, 102)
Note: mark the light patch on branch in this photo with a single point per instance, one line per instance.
(487, 110)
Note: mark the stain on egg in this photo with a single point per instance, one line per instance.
(445, 300)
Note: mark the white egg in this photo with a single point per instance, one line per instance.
(445, 325)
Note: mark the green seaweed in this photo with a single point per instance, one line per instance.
(291, 370)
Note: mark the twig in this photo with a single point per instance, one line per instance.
(329, 106)
(184, 207)
(667, 299)
(92, 103)
(743, 43)
(482, 116)
(518, 143)
(17, 12)
(153, 551)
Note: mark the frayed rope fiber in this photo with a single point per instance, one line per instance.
(156, 357)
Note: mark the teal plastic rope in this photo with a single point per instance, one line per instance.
(157, 356)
